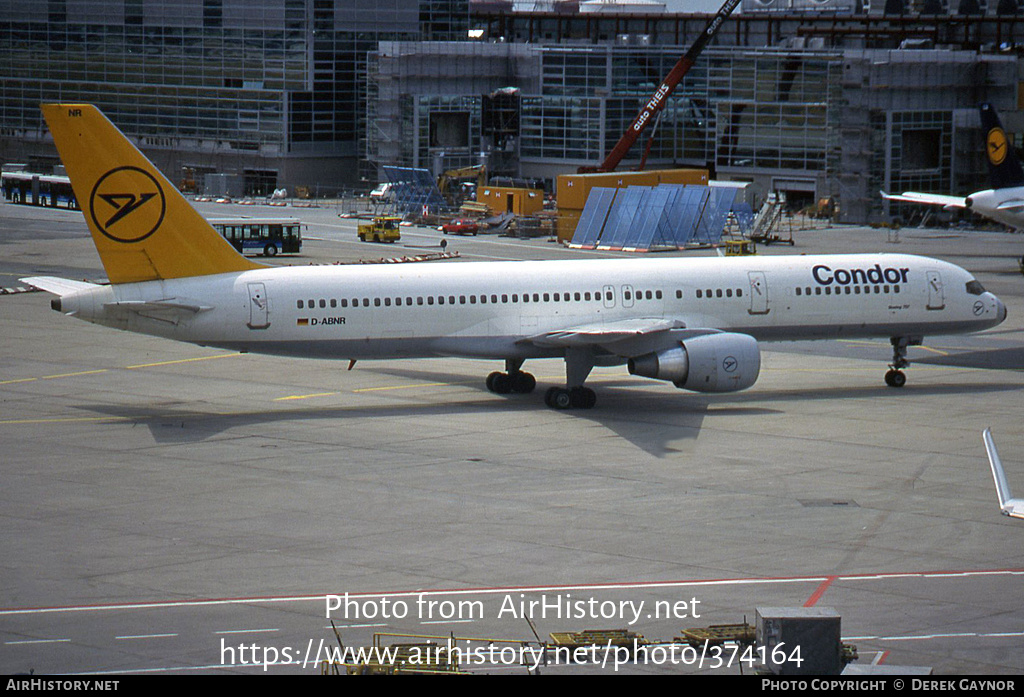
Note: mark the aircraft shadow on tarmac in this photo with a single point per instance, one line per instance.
(646, 423)
(990, 359)
(653, 422)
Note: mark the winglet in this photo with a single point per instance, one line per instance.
(1009, 505)
(143, 228)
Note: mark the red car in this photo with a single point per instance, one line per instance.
(460, 226)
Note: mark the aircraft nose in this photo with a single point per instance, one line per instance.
(1000, 309)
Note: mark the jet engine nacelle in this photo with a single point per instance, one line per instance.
(710, 363)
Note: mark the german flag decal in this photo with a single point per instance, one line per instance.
(302, 321)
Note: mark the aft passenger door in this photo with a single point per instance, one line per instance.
(259, 307)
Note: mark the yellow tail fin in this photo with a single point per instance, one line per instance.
(143, 228)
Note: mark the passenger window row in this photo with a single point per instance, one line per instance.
(578, 296)
(493, 299)
(715, 293)
(641, 295)
(847, 290)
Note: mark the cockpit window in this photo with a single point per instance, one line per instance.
(975, 288)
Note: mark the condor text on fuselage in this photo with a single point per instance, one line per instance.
(826, 276)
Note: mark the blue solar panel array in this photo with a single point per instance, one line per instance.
(641, 218)
(413, 189)
(593, 218)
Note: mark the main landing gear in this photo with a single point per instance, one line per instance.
(514, 380)
(895, 376)
(578, 364)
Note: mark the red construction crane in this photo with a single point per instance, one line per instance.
(658, 100)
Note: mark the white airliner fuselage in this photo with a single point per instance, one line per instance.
(1002, 205)
(534, 309)
(693, 322)
(1005, 206)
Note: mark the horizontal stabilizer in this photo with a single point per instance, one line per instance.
(57, 285)
(167, 304)
(1012, 206)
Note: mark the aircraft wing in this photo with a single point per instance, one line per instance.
(1009, 506)
(929, 199)
(599, 334)
(626, 338)
(57, 285)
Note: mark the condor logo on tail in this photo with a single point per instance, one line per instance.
(127, 204)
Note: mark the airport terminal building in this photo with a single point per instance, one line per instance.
(805, 104)
(827, 100)
(270, 90)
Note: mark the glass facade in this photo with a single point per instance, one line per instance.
(267, 77)
(765, 109)
(562, 128)
(815, 123)
(921, 150)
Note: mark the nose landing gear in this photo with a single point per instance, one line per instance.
(895, 376)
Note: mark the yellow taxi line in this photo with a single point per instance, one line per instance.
(305, 396)
(183, 360)
(69, 375)
(67, 419)
(128, 367)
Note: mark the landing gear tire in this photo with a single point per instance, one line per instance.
(573, 398)
(558, 398)
(895, 378)
(504, 383)
(523, 383)
(499, 383)
(583, 397)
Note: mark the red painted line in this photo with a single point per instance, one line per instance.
(816, 596)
